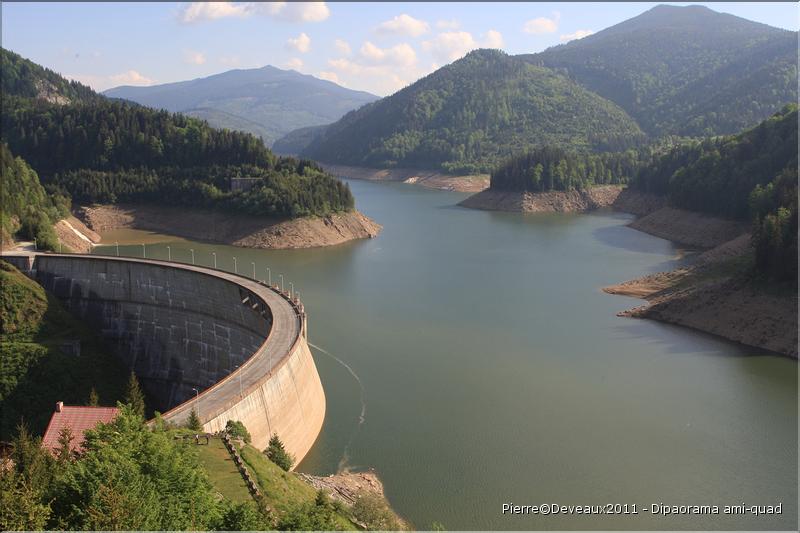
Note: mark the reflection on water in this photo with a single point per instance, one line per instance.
(495, 370)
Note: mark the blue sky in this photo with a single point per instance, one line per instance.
(377, 47)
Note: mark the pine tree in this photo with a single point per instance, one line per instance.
(193, 422)
(65, 438)
(94, 398)
(134, 396)
(278, 454)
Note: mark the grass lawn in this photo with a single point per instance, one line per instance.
(222, 471)
(282, 490)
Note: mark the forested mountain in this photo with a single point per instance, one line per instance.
(25, 78)
(752, 174)
(108, 150)
(472, 114)
(267, 102)
(717, 175)
(546, 168)
(685, 70)
(296, 141)
(26, 210)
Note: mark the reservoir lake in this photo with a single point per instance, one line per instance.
(492, 369)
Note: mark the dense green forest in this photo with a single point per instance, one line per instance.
(471, 115)
(685, 70)
(717, 175)
(554, 168)
(107, 150)
(27, 211)
(752, 174)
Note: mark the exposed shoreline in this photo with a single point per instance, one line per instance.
(714, 295)
(544, 202)
(233, 229)
(430, 179)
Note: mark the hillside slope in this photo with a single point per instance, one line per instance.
(267, 102)
(469, 115)
(38, 366)
(111, 150)
(685, 70)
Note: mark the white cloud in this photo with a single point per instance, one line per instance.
(542, 25)
(199, 11)
(194, 58)
(330, 76)
(493, 39)
(295, 63)
(288, 11)
(342, 47)
(301, 43)
(448, 24)
(580, 34)
(297, 11)
(131, 77)
(451, 45)
(403, 25)
(378, 70)
(401, 55)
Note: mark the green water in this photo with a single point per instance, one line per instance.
(495, 371)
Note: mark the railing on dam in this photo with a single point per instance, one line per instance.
(191, 347)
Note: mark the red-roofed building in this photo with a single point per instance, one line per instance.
(78, 419)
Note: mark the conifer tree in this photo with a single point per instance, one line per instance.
(94, 398)
(278, 454)
(134, 396)
(193, 422)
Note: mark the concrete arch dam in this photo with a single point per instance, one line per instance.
(228, 346)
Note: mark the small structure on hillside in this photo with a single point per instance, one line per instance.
(244, 184)
(78, 419)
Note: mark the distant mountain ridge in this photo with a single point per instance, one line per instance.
(685, 70)
(472, 114)
(268, 102)
(671, 71)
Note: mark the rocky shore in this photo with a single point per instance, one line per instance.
(223, 227)
(716, 293)
(544, 202)
(426, 178)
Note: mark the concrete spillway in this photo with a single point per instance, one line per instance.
(230, 347)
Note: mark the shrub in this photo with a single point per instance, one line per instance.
(278, 454)
(372, 511)
(236, 428)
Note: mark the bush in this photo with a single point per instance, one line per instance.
(278, 454)
(236, 428)
(317, 516)
(243, 516)
(372, 511)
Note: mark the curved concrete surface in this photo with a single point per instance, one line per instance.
(228, 346)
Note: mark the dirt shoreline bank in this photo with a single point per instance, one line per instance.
(544, 202)
(430, 179)
(714, 295)
(226, 228)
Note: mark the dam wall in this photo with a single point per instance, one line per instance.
(229, 347)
